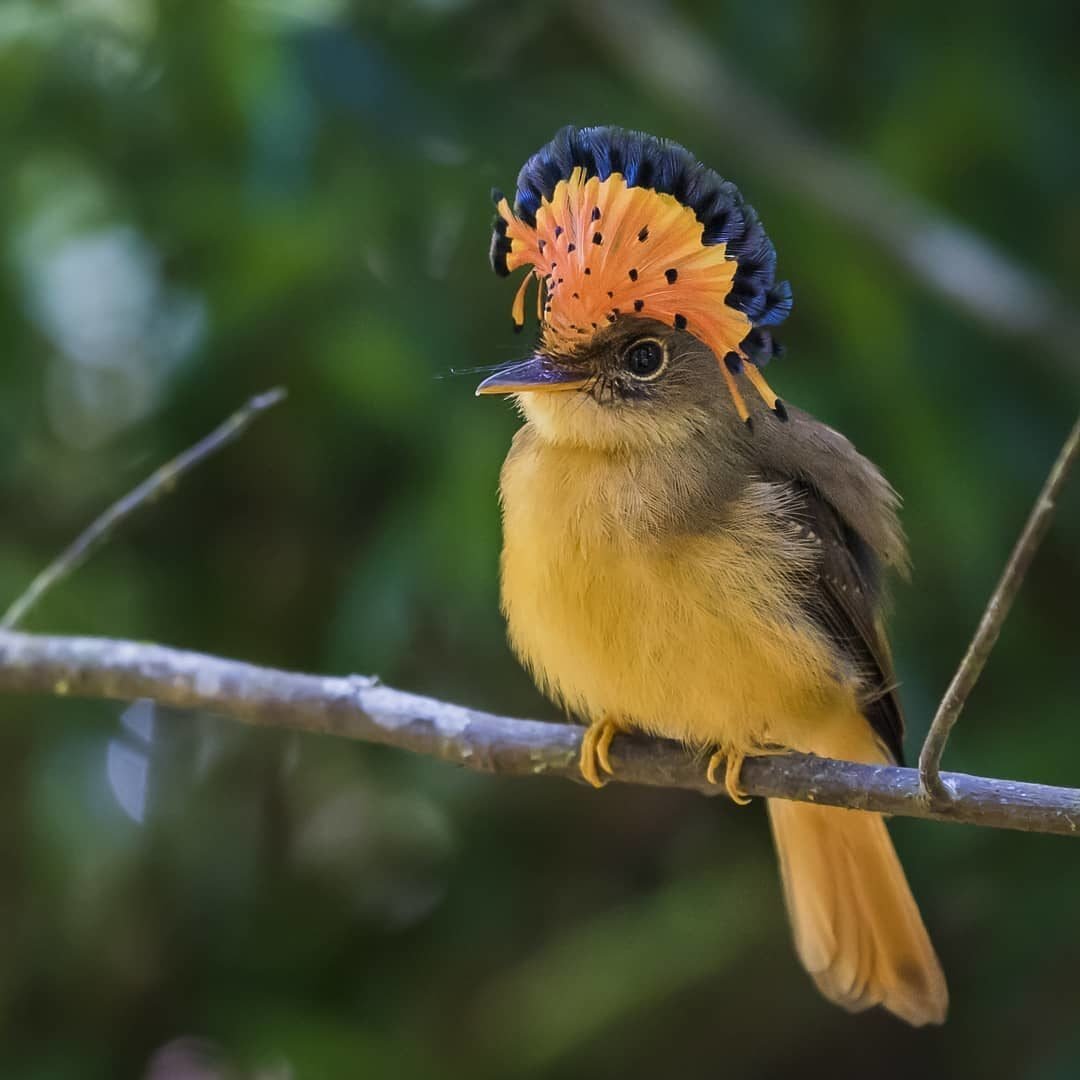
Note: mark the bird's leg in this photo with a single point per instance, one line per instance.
(595, 745)
(732, 761)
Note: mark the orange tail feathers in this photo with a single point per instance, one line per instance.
(857, 928)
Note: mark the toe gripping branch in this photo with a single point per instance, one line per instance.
(733, 763)
(595, 760)
(595, 748)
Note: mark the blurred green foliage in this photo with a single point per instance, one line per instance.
(202, 200)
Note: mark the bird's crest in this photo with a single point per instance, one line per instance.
(614, 222)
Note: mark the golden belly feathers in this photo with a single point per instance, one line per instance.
(691, 637)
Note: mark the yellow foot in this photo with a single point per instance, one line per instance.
(732, 761)
(594, 751)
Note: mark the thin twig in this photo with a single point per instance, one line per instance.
(164, 479)
(684, 68)
(363, 709)
(993, 618)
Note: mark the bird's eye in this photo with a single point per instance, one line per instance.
(645, 358)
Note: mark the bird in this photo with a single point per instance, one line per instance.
(685, 554)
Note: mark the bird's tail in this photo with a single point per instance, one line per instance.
(857, 928)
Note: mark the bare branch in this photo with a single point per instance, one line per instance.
(940, 253)
(363, 709)
(163, 480)
(997, 609)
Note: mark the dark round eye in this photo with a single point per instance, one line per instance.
(644, 358)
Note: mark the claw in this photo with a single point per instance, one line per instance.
(733, 762)
(595, 747)
(603, 747)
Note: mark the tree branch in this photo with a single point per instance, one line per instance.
(363, 709)
(993, 618)
(159, 482)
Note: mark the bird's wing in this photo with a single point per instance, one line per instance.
(850, 511)
(845, 600)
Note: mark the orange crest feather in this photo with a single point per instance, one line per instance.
(601, 249)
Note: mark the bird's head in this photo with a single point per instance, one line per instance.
(656, 291)
(636, 383)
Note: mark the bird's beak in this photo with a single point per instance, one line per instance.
(538, 373)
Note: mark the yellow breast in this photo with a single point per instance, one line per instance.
(694, 637)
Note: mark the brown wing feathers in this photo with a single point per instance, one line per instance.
(845, 600)
(849, 509)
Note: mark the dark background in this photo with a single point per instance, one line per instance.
(201, 200)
